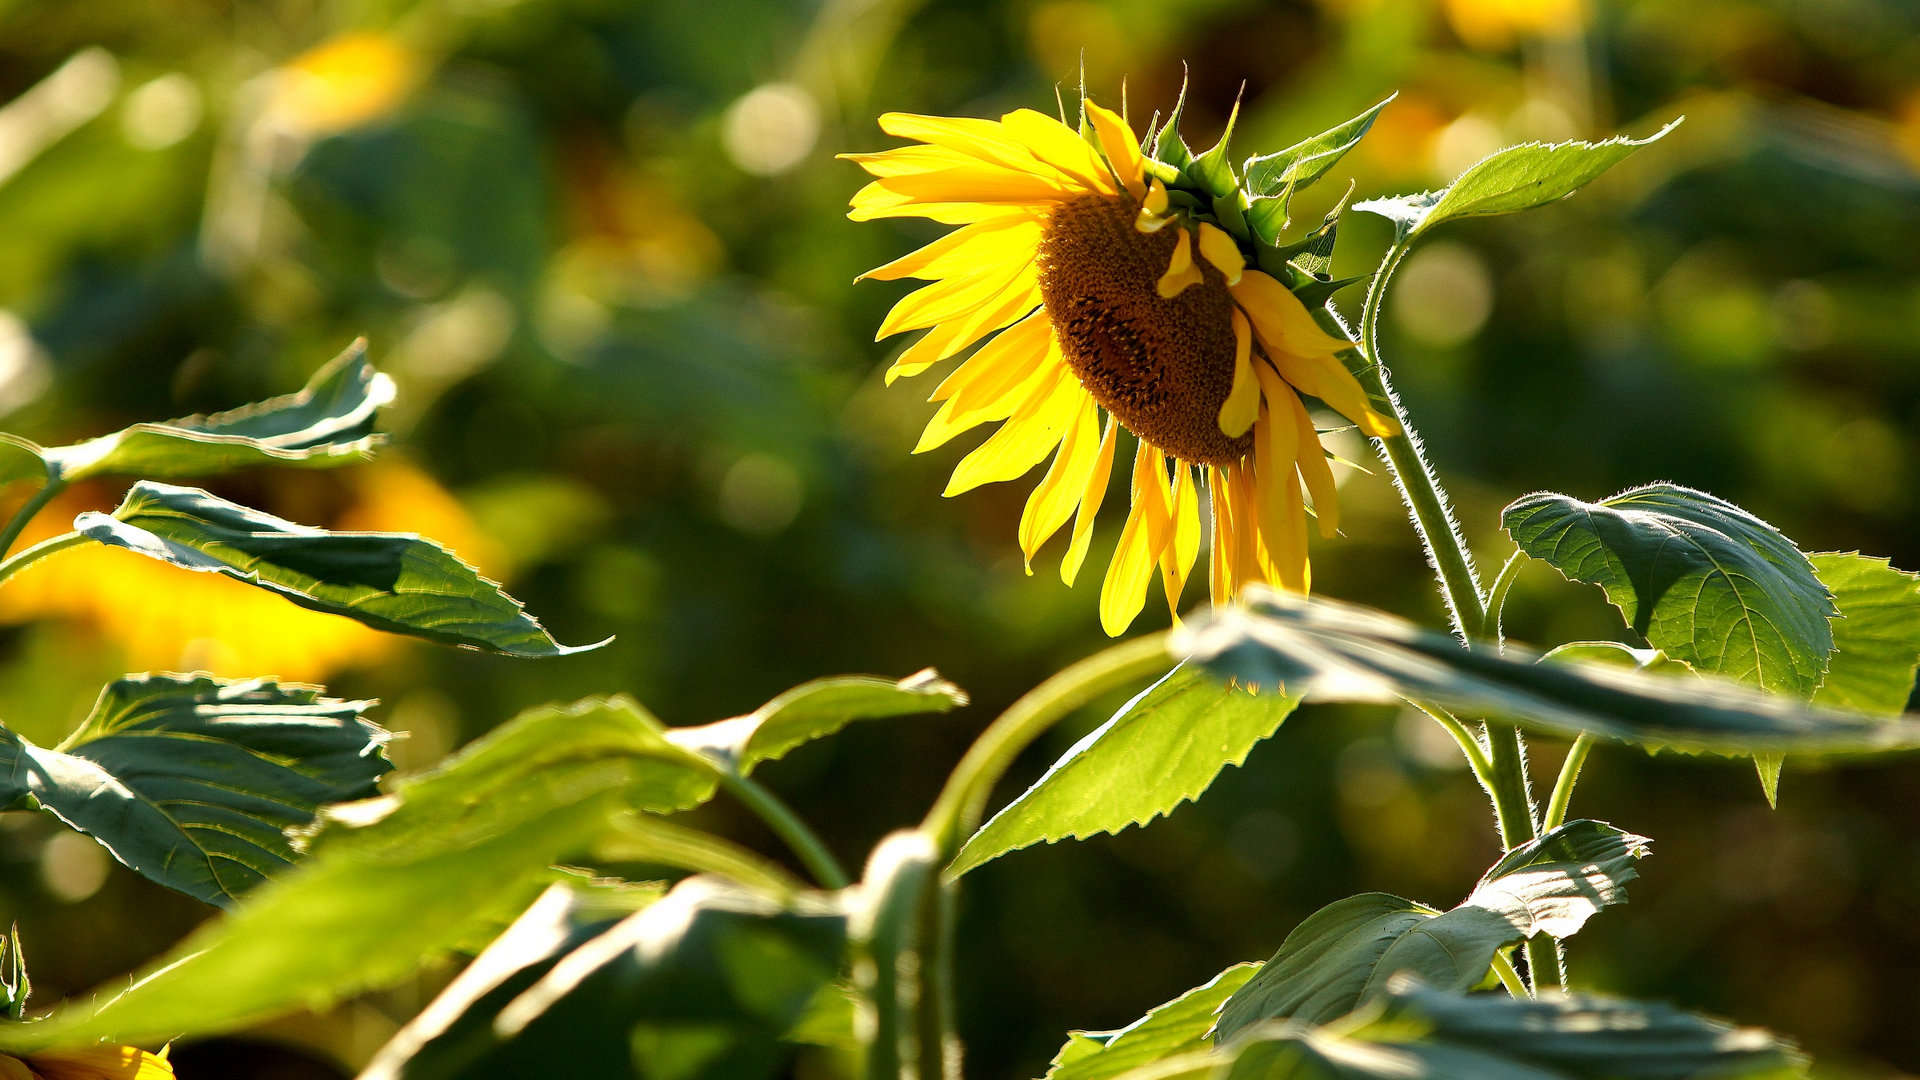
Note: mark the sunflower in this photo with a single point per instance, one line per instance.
(1095, 280)
(103, 1062)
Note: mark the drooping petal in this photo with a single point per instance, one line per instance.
(978, 183)
(1061, 147)
(1183, 543)
(1316, 472)
(905, 160)
(1025, 440)
(100, 1062)
(964, 414)
(1123, 149)
(1059, 492)
(1090, 500)
(1283, 321)
(1220, 554)
(1282, 513)
(1181, 272)
(1242, 406)
(1124, 592)
(1219, 249)
(983, 244)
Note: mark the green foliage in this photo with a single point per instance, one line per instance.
(1876, 637)
(1328, 651)
(815, 710)
(328, 423)
(1513, 179)
(1697, 577)
(193, 781)
(390, 581)
(1306, 161)
(1159, 750)
(890, 919)
(1345, 953)
(1176, 1027)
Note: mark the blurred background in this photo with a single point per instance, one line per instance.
(602, 246)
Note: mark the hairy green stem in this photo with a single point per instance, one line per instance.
(1470, 745)
(787, 825)
(1563, 787)
(39, 551)
(27, 512)
(1509, 977)
(1490, 624)
(963, 801)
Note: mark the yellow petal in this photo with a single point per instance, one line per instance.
(1061, 147)
(1010, 306)
(1283, 321)
(873, 202)
(1282, 513)
(1183, 545)
(1124, 592)
(1180, 269)
(1219, 249)
(894, 196)
(1025, 440)
(1317, 473)
(1242, 406)
(1219, 555)
(951, 298)
(102, 1062)
(1058, 493)
(1156, 201)
(981, 140)
(1016, 353)
(1090, 500)
(969, 250)
(1123, 150)
(906, 160)
(997, 400)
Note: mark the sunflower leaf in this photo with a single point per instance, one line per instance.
(394, 882)
(1327, 651)
(1876, 637)
(1344, 953)
(1308, 160)
(395, 582)
(1701, 579)
(328, 423)
(814, 710)
(192, 781)
(1159, 750)
(1176, 1027)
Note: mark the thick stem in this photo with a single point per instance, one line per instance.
(963, 801)
(27, 511)
(787, 825)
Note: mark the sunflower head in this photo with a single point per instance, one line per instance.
(1093, 275)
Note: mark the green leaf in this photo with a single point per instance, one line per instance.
(1161, 749)
(814, 710)
(1584, 1035)
(396, 582)
(701, 985)
(21, 459)
(1344, 953)
(394, 882)
(657, 841)
(1211, 171)
(1701, 579)
(1177, 1027)
(1309, 159)
(192, 781)
(1877, 636)
(1328, 651)
(328, 423)
(1509, 180)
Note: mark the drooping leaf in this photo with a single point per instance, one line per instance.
(814, 710)
(1177, 1027)
(1698, 577)
(1509, 180)
(1877, 636)
(701, 985)
(396, 582)
(1345, 953)
(192, 781)
(329, 422)
(1328, 651)
(1308, 160)
(394, 882)
(1161, 749)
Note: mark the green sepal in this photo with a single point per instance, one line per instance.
(1315, 293)
(1211, 171)
(1167, 144)
(1267, 216)
(1308, 160)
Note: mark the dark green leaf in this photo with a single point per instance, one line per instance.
(814, 710)
(1161, 749)
(396, 582)
(192, 781)
(1328, 651)
(1177, 1027)
(1309, 159)
(1877, 636)
(330, 422)
(394, 882)
(1344, 953)
(1701, 579)
(1516, 178)
(701, 985)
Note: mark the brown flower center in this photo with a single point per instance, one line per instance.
(1162, 367)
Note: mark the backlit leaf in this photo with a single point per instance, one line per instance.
(1179, 1026)
(814, 710)
(1877, 636)
(1309, 159)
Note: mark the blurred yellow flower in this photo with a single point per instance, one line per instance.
(89, 1063)
(343, 83)
(1098, 293)
(165, 619)
(1496, 24)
